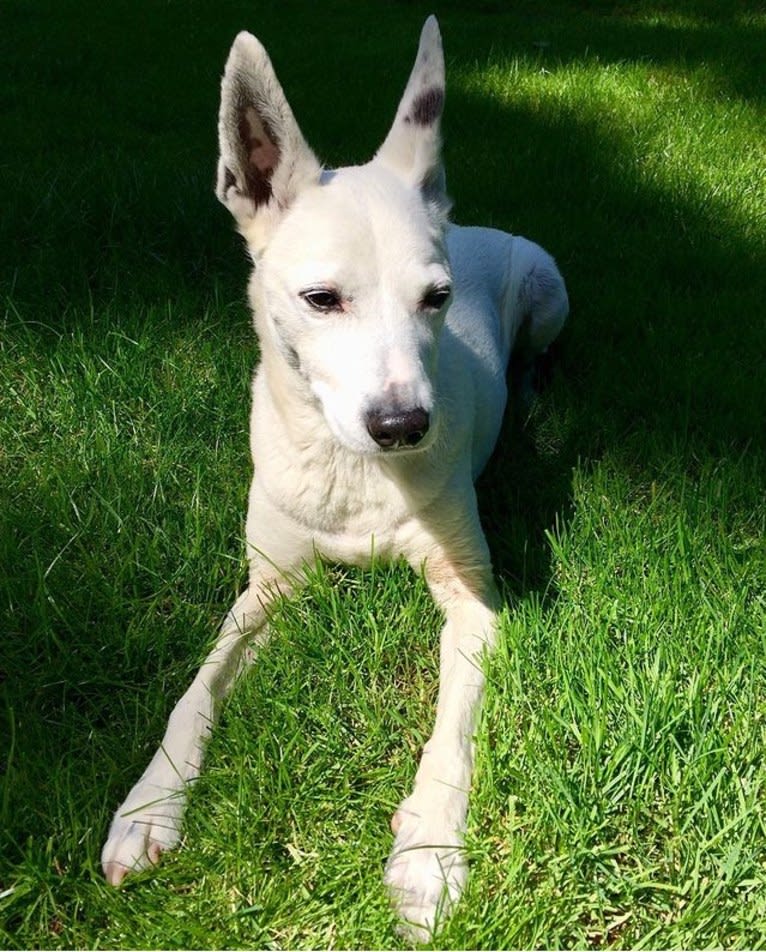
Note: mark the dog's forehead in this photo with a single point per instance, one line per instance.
(361, 216)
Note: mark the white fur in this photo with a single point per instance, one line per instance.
(378, 236)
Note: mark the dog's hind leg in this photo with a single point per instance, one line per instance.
(149, 821)
(427, 870)
(538, 295)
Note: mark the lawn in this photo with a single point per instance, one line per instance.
(620, 793)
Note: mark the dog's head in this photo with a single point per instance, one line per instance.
(351, 281)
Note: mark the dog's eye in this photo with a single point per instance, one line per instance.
(435, 299)
(322, 299)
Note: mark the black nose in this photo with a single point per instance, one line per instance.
(402, 428)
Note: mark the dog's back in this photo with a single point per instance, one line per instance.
(503, 285)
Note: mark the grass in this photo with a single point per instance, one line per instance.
(619, 797)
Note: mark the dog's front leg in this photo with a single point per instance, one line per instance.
(427, 869)
(149, 821)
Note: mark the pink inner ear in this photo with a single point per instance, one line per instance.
(262, 151)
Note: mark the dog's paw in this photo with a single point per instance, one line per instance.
(146, 825)
(427, 868)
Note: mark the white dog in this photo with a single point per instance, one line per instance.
(385, 333)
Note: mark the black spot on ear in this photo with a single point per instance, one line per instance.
(427, 106)
(228, 179)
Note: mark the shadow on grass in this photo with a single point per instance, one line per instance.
(122, 208)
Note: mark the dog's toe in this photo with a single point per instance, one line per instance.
(131, 848)
(423, 888)
(425, 875)
(114, 872)
(139, 835)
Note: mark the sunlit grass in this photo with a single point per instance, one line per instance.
(678, 132)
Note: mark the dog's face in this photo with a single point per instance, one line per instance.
(353, 289)
(352, 281)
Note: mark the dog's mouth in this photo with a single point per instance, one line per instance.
(403, 450)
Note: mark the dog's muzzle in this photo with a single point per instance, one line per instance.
(401, 429)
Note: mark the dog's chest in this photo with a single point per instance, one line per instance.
(352, 507)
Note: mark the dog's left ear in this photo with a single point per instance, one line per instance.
(265, 161)
(412, 147)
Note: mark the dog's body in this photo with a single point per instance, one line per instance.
(385, 335)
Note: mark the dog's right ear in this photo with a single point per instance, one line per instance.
(264, 161)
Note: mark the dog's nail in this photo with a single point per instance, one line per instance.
(115, 873)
